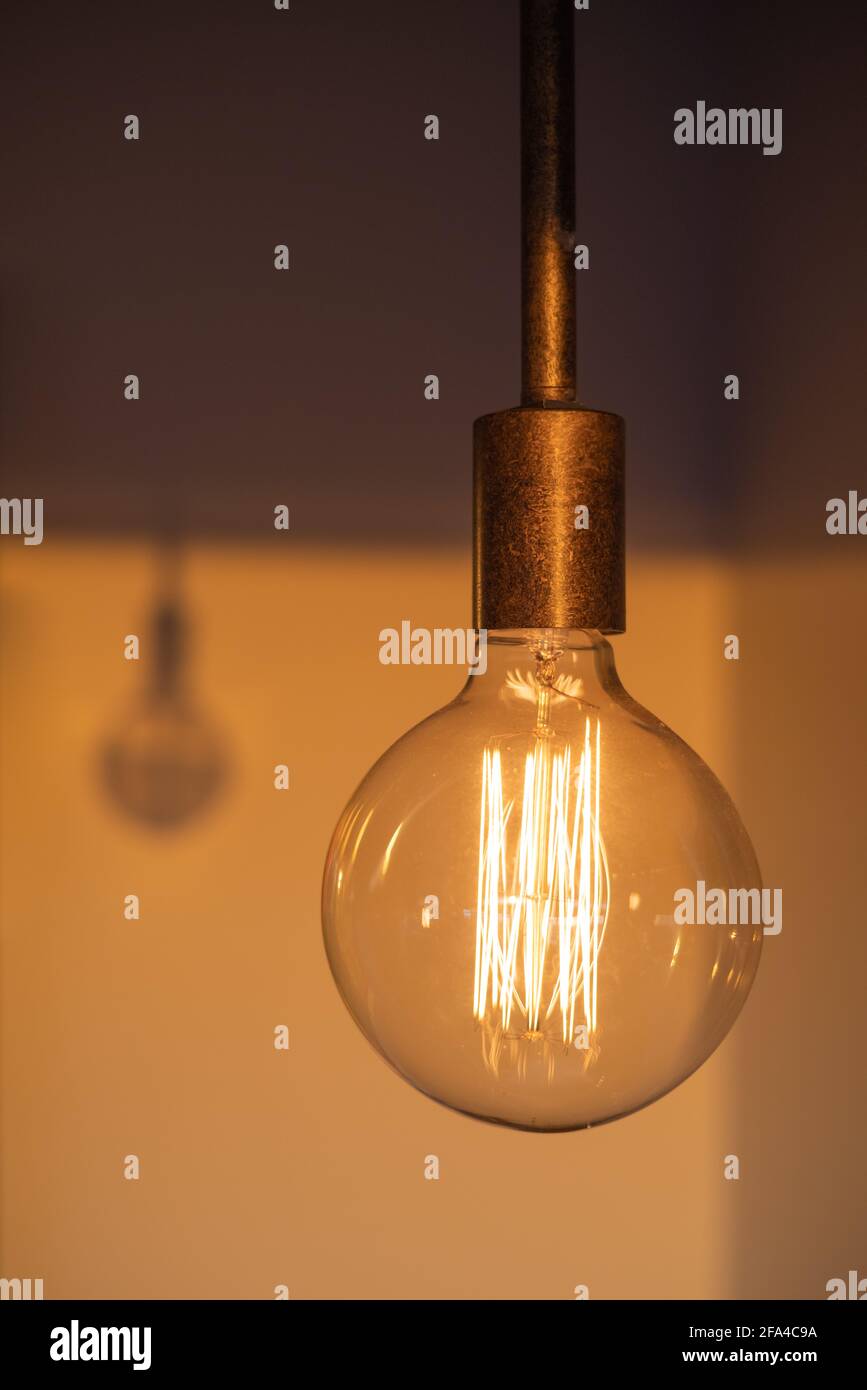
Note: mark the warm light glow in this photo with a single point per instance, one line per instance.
(542, 899)
(512, 951)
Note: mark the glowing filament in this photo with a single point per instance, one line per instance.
(542, 898)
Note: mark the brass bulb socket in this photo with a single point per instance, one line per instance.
(535, 563)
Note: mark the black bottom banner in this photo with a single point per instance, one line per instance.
(215, 1338)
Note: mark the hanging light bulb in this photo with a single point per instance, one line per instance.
(552, 821)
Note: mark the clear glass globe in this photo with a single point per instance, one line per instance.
(503, 900)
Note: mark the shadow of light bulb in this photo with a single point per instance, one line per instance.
(166, 762)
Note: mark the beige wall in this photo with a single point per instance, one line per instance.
(305, 1168)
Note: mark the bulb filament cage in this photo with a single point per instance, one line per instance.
(543, 889)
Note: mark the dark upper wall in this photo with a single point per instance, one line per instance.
(258, 387)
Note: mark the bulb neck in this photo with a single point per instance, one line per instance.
(572, 664)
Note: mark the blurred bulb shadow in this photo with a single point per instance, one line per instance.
(165, 762)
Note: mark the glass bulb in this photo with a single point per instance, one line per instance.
(499, 899)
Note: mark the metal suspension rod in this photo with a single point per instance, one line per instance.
(547, 201)
(548, 490)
